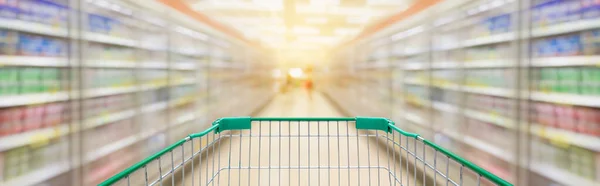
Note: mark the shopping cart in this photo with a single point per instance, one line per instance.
(304, 151)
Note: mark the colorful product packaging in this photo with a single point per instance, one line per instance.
(8, 42)
(9, 9)
(590, 9)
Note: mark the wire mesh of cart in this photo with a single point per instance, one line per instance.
(304, 151)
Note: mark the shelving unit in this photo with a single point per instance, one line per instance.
(121, 94)
(462, 75)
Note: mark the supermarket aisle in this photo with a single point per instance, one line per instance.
(296, 103)
(277, 146)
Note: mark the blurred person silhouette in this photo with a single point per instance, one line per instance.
(308, 84)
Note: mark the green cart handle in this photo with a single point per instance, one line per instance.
(364, 123)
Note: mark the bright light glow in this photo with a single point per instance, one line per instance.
(191, 33)
(358, 19)
(276, 73)
(346, 31)
(318, 39)
(306, 30)
(324, 2)
(316, 20)
(296, 72)
(408, 32)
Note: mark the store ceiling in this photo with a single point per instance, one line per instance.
(298, 24)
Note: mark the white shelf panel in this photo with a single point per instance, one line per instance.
(31, 27)
(415, 81)
(97, 92)
(571, 99)
(566, 61)
(481, 145)
(445, 65)
(494, 63)
(155, 107)
(153, 65)
(184, 118)
(32, 137)
(99, 63)
(412, 117)
(38, 176)
(561, 176)
(108, 118)
(567, 27)
(489, 148)
(445, 107)
(118, 145)
(29, 99)
(493, 39)
(414, 66)
(491, 118)
(492, 91)
(565, 136)
(448, 86)
(110, 148)
(184, 66)
(107, 39)
(33, 61)
(184, 81)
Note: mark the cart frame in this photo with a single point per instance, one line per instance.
(364, 124)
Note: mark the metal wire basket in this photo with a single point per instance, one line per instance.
(304, 151)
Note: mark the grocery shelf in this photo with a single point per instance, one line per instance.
(29, 99)
(414, 66)
(184, 81)
(155, 107)
(447, 86)
(107, 39)
(415, 81)
(566, 61)
(491, 118)
(31, 27)
(106, 118)
(110, 148)
(100, 63)
(444, 107)
(414, 118)
(492, 91)
(561, 176)
(98, 92)
(184, 119)
(493, 39)
(481, 145)
(571, 99)
(492, 63)
(565, 136)
(445, 65)
(40, 175)
(184, 66)
(489, 148)
(153, 65)
(567, 27)
(33, 61)
(32, 137)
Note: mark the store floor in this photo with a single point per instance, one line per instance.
(286, 157)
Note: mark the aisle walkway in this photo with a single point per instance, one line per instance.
(296, 153)
(296, 103)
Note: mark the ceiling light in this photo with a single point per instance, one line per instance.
(306, 30)
(316, 20)
(324, 2)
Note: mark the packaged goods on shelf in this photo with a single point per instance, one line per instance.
(572, 80)
(23, 160)
(582, 120)
(98, 51)
(576, 160)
